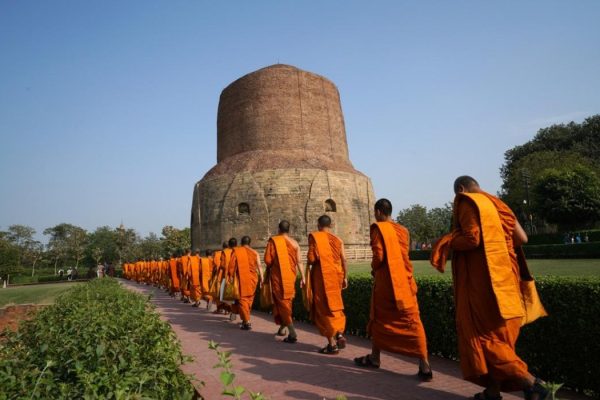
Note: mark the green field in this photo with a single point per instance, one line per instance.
(572, 267)
(34, 294)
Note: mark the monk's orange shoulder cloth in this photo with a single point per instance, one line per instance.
(395, 262)
(287, 273)
(504, 282)
(329, 271)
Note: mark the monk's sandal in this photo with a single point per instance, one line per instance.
(329, 349)
(246, 326)
(537, 388)
(484, 396)
(425, 376)
(341, 341)
(290, 339)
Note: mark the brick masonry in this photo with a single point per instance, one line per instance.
(282, 154)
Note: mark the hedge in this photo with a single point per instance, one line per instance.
(581, 250)
(97, 341)
(563, 347)
(559, 238)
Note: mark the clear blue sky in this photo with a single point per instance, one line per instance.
(108, 108)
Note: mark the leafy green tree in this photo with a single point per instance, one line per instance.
(175, 239)
(126, 239)
(569, 196)
(21, 236)
(57, 244)
(426, 225)
(150, 247)
(103, 245)
(9, 256)
(564, 144)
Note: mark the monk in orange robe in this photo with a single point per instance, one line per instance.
(282, 257)
(206, 273)
(174, 275)
(328, 277)
(395, 323)
(223, 307)
(245, 266)
(195, 278)
(185, 276)
(487, 294)
(216, 268)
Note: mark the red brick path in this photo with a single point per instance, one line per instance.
(263, 363)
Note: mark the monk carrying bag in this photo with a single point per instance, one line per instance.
(266, 295)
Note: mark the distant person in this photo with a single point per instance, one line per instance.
(111, 270)
(489, 309)
(572, 239)
(100, 270)
(282, 257)
(578, 238)
(395, 322)
(61, 272)
(586, 238)
(328, 276)
(69, 274)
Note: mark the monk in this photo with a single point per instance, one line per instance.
(282, 257)
(174, 274)
(195, 278)
(216, 260)
(328, 277)
(223, 267)
(395, 323)
(487, 294)
(206, 271)
(185, 276)
(245, 265)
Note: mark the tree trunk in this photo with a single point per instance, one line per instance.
(55, 262)
(33, 267)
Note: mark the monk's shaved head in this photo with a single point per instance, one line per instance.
(324, 221)
(208, 253)
(232, 242)
(224, 245)
(246, 241)
(284, 226)
(465, 183)
(384, 206)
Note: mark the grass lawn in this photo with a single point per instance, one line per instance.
(572, 267)
(34, 294)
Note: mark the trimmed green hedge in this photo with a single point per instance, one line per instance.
(564, 347)
(419, 254)
(97, 341)
(581, 250)
(558, 238)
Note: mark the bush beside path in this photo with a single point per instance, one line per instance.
(263, 363)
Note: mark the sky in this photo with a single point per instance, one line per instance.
(108, 108)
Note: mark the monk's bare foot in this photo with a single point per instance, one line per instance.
(290, 339)
(367, 362)
(246, 326)
(341, 341)
(232, 317)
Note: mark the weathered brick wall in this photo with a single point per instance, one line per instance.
(298, 195)
(282, 152)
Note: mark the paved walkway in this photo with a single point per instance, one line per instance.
(263, 363)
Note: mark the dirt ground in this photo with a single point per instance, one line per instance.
(10, 316)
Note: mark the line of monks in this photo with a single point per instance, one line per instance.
(493, 290)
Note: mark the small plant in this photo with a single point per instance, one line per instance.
(553, 388)
(227, 376)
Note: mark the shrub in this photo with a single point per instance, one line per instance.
(581, 250)
(558, 238)
(97, 341)
(562, 347)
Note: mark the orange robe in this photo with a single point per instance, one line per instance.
(206, 272)
(326, 277)
(489, 312)
(395, 323)
(174, 276)
(282, 258)
(222, 274)
(195, 277)
(244, 264)
(185, 275)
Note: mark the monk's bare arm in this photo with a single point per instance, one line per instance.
(344, 265)
(377, 247)
(312, 255)
(468, 237)
(259, 268)
(519, 235)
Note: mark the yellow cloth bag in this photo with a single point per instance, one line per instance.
(232, 290)
(266, 295)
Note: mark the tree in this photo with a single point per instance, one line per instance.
(36, 252)
(21, 236)
(426, 225)
(175, 239)
(102, 245)
(67, 242)
(565, 144)
(569, 196)
(150, 247)
(126, 239)
(9, 255)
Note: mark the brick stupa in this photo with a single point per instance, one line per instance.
(281, 154)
